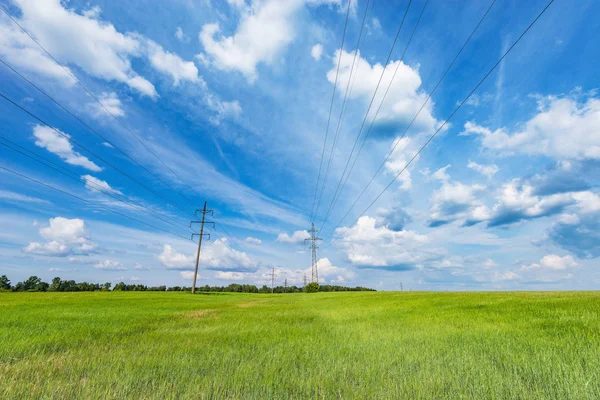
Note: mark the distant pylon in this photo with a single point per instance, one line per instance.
(200, 236)
(273, 280)
(313, 244)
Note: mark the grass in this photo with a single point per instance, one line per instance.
(300, 346)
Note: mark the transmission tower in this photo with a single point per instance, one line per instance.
(285, 285)
(273, 280)
(313, 245)
(305, 282)
(200, 236)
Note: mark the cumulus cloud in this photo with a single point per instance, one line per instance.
(215, 255)
(578, 234)
(95, 46)
(95, 184)
(171, 64)
(230, 276)
(50, 140)
(329, 273)
(368, 246)
(402, 102)
(564, 127)
(317, 51)
(453, 200)
(253, 240)
(517, 202)
(394, 219)
(65, 237)
(266, 29)
(110, 265)
(110, 105)
(486, 170)
(171, 259)
(297, 237)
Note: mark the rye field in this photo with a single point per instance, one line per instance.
(358, 345)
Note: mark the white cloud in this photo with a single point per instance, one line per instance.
(329, 273)
(455, 200)
(297, 237)
(253, 240)
(504, 276)
(20, 51)
(181, 36)
(266, 28)
(230, 275)
(404, 150)
(94, 46)
(553, 262)
(588, 202)
(141, 267)
(110, 265)
(65, 237)
(405, 96)
(110, 105)
(317, 51)
(95, 184)
(171, 64)
(563, 128)
(441, 174)
(370, 246)
(188, 275)
(215, 255)
(223, 109)
(171, 259)
(486, 170)
(50, 140)
(13, 197)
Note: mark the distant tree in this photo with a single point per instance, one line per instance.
(4, 283)
(312, 287)
(55, 286)
(106, 286)
(121, 286)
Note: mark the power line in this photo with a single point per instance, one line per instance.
(96, 99)
(397, 141)
(56, 167)
(447, 119)
(414, 118)
(86, 125)
(330, 109)
(71, 140)
(90, 202)
(378, 83)
(343, 108)
(340, 186)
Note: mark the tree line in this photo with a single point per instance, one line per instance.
(35, 284)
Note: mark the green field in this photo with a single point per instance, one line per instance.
(369, 345)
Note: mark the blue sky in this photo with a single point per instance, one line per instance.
(228, 101)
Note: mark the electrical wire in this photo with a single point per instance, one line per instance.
(447, 119)
(330, 110)
(88, 201)
(96, 99)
